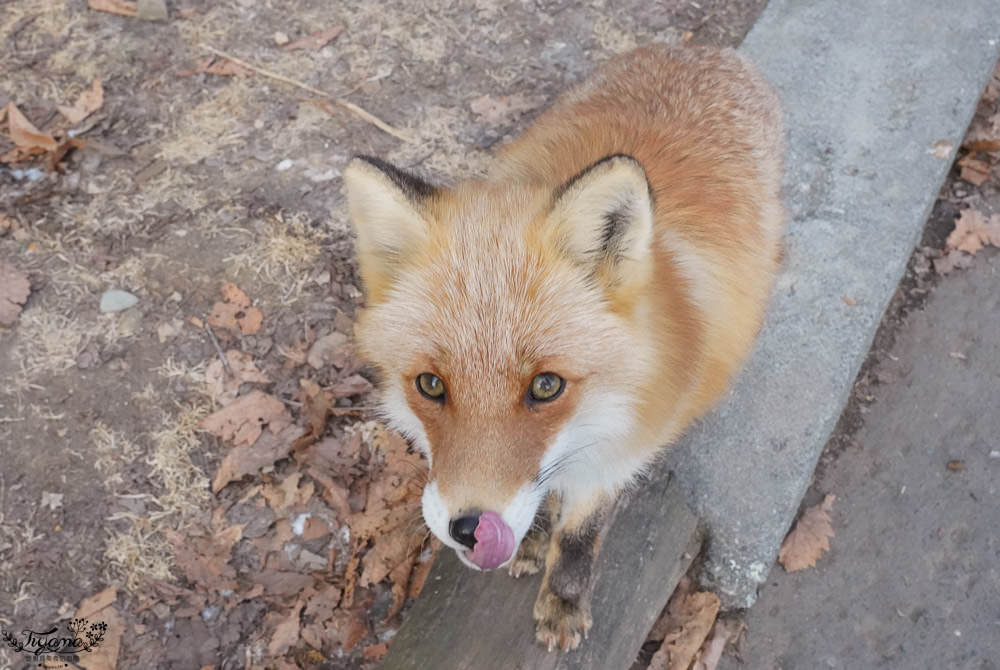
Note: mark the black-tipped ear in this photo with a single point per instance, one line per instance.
(412, 185)
(604, 216)
(388, 208)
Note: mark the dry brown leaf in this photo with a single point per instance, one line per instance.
(723, 633)
(332, 349)
(247, 459)
(204, 561)
(375, 652)
(53, 161)
(235, 312)
(316, 41)
(99, 608)
(288, 493)
(316, 404)
(95, 603)
(282, 582)
(351, 386)
(691, 619)
(984, 133)
(224, 386)
(14, 291)
(810, 538)
(974, 171)
(243, 420)
(119, 7)
(286, 633)
(25, 135)
(952, 260)
(973, 231)
(86, 104)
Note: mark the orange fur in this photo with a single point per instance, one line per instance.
(491, 282)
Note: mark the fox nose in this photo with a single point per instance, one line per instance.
(463, 530)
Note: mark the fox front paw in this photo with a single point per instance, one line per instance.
(561, 624)
(530, 557)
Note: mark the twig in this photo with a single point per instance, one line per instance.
(349, 106)
(218, 348)
(350, 410)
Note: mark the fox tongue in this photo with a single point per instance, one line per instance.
(494, 542)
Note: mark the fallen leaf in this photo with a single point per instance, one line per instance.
(316, 404)
(375, 652)
(984, 132)
(97, 602)
(286, 633)
(224, 386)
(973, 231)
(86, 104)
(235, 312)
(204, 560)
(810, 538)
(288, 493)
(690, 621)
(956, 466)
(974, 171)
(243, 420)
(25, 135)
(248, 459)
(14, 291)
(53, 161)
(351, 386)
(316, 41)
(282, 582)
(952, 260)
(497, 111)
(119, 7)
(99, 609)
(333, 349)
(334, 494)
(723, 633)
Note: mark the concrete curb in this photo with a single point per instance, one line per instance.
(868, 89)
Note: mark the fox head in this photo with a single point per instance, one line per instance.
(502, 319)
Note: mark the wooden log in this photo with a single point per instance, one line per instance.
(466, 620)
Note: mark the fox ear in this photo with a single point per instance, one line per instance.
(604, 218)
(386, 206)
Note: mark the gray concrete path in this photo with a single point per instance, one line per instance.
(912, 581)
(868, 88)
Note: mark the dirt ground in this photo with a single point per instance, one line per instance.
(192, 178)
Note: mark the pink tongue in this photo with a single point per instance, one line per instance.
(494, 542)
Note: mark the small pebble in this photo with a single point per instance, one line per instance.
(284, 165)
(280, 38)
(115, 300)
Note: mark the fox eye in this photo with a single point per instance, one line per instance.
(430, 386)
(546, 387)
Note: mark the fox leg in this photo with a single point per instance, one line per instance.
(531, 554)
(562, 609)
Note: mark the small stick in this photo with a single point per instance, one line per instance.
(349, 106)
(218, 348)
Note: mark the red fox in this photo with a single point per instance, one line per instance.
(544, 332)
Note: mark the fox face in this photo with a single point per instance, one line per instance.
(501, 319)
